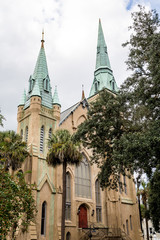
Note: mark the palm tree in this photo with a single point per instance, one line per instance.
(12, 150)
(63, 150)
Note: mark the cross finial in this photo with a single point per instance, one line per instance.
(42, 41)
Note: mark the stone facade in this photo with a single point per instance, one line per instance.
(104, 213)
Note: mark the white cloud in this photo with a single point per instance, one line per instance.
(71, 28)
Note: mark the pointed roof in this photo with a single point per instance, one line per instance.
(55, 97)
(23, 99)
(103, 75)
(36, 91)
(102, 58)
(39, 82)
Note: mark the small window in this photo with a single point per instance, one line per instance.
(127, 228)
(125, 185)
(26, 134)
(42, 139)
(43, 218)
(21, 134)
(113, 86)
(120, 184)
(96, 86)
(68, 196)
(130, 222)
(49, 137)
(68, 236)
(98, 49)
(46, 84)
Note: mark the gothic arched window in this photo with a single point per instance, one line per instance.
(49, 137)
(68, 196)
(21, 134)
(68, 236)
(26, 134)
(83, 179)
(42, 139)
(43, 218)
(98, 201)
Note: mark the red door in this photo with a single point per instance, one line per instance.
(83, 217)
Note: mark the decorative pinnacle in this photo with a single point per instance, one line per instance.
(83, 96)
(42, 41)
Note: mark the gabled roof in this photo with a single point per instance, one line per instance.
(65, 114)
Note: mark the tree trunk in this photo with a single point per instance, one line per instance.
(63, 201)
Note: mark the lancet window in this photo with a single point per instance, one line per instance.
(43, 218)
(83, 179)
(68, 196)
(98, 202)
(42, 139)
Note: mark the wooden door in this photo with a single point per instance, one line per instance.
(83, 217)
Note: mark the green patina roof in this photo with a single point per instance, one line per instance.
(36, 91)
(39, 82)
(23, 99)
(55, 97)
(103, 75)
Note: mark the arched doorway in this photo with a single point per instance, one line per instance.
(83, 223)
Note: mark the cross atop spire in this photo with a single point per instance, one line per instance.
(42, 41)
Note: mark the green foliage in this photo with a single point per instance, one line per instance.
(104, 125)
(17, 206)
(124, 131)
(154, 198)
(62, 148)
(1, 119)
(12, 150)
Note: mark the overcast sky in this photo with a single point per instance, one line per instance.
(71, 29)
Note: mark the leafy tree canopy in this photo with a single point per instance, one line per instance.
(12, 150)
(17, 206)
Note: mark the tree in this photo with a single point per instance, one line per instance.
(104, 124)
(154, 198)
(17, 206)
(143, 192)
(1, 119)
(124, 130)
(63, 150)
(12, 150)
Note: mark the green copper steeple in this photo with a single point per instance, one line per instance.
(103, 75)
(39, 82)
(55, 97)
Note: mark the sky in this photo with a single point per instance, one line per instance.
(70, 33)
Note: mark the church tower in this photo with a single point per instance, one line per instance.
(38, 116)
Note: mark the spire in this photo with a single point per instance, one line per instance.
(23, 99)
(55, 97)
(39, 82)
(103, 75)
(36, 91)
(102, 58)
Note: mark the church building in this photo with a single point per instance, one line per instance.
(90, 212)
